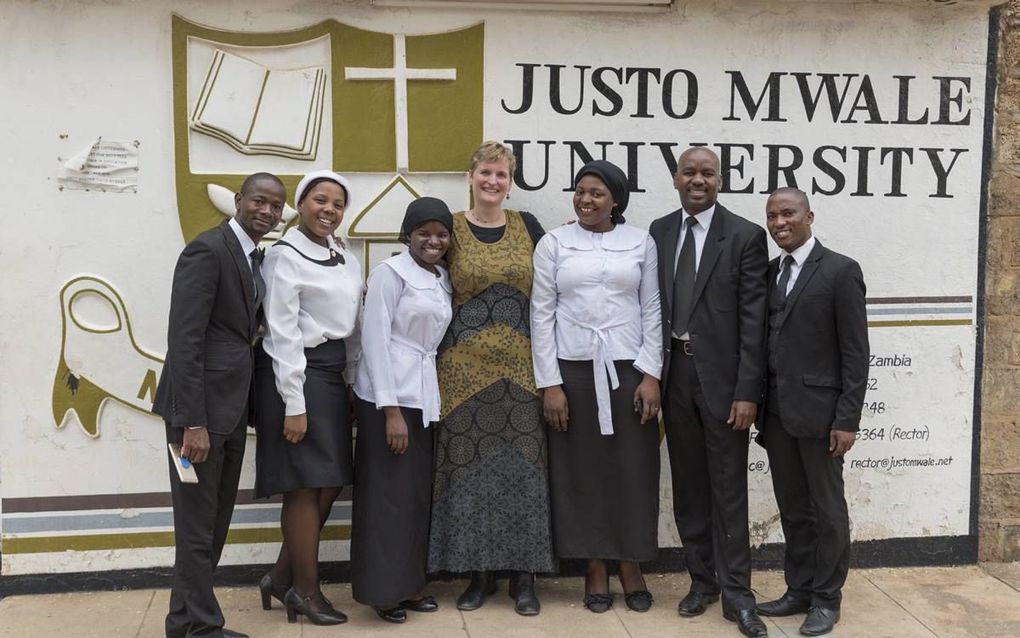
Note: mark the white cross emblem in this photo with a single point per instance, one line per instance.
(400, 75)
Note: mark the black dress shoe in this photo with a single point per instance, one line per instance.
(598, 603)
(747, 622)
(297, 604)
(695, 602)
(424, 604)
(267, 588)
(785, 605)
(522, 590)
(482, 584)
(819, 621)
(229, 633)
(640, 600)
(395, 615)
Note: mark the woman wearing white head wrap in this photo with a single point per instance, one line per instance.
(313, 297)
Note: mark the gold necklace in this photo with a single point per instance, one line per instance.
(488, 223)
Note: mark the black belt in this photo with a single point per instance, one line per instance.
(680, 345)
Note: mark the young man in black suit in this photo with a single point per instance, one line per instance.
(816, 377)
(712, 287)
(203, 392)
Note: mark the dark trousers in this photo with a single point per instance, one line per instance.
(202, 514)
(708, 460)
(808, 483)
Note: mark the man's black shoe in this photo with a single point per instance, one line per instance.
(695, 602)
(747, 622)
(819, 621)
(786, 605)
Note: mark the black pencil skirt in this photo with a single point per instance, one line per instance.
(392, 505)
(323, 457)
(604, 488)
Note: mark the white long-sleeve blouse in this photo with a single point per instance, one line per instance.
(309, 299)
(407, 311)
(595, 297)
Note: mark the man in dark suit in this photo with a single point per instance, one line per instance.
(712, 286)
(204, 390)
(816, 378)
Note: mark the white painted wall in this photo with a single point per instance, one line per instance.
(75, 71)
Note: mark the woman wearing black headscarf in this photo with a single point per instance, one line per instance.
(407, 311)
(597, 347)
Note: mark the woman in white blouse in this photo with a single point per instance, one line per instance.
(407, 311)
(303, 416)
(597, 345)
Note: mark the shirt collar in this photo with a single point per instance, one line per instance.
(416, 276)
(621, 237)
(247, 245)
(299, 240)
(800, 254)
(704, 217)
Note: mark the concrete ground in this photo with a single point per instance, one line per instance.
(899, 603)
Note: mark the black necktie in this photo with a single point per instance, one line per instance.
(683, 283)
(257, 254)
(784, 280)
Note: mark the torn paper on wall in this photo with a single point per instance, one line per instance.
(107, 166)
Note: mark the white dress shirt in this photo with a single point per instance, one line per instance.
(700, 234)
(595, 297)
(800, 255)
(306, 304)
(247, 245)
(407, 311)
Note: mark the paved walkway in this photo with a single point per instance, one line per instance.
(896, 603)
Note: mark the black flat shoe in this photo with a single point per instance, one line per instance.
(482, 584)
(522, 590)
(695, 602)
(229, 633)
(395, 615)
(268, 589)
(424, 604)
(748, 622)
(819, 621)
(640, 600)
(598, 603)
(785, 605)
(297, 604)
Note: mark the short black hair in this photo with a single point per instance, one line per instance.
(255, 177)
(796, 192)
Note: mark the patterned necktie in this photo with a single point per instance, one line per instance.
(257, 255)
(683, 283)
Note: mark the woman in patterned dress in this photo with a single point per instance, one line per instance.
(490, 509)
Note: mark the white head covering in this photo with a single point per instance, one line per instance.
(328, 174)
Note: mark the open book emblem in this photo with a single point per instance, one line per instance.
(259, 110)
(370, 105)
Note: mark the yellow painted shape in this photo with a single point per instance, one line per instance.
(78, 395)
(364, 115)
(445, 118)
(141, 540)
(919, 323)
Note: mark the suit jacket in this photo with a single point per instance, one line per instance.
(821, 348)
(727, 324)
(206, 379)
